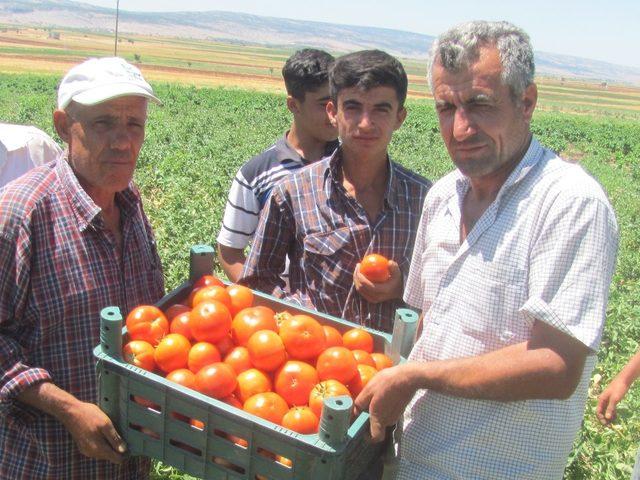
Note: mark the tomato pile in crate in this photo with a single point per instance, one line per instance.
(224, 382)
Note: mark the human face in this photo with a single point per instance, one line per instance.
(366, 119)
(104, 141)
(310, 114)
(484, 128)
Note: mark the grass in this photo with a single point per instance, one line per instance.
(199, 138)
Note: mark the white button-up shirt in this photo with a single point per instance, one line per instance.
(544, 249)
(22, 148)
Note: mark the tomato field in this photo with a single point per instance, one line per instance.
(200, 136)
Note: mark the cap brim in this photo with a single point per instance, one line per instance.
(104, 93)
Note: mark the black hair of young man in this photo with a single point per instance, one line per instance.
(368, 69)
(305, 71)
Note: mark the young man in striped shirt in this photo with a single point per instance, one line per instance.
(311, 137)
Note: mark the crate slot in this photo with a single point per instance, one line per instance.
(236, 440)
(145, 402)
(227, 465)
(144, 430)
(185, 447)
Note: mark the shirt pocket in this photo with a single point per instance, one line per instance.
(490, 305)
(329, 261)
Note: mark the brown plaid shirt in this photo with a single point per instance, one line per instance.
(324, 232)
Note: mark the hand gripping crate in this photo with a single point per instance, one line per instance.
(150, 411)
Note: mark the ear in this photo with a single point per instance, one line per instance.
(293, 105)
(402, 115)
(529, 101)
(62, 123)
(332, 113)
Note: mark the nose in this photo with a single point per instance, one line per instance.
(463, 127)
(120, 138)
(365, 120)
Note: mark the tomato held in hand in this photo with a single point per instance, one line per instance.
(210, 321)
(140, 354)
(147, 323)
(303, 337)
(375, 267)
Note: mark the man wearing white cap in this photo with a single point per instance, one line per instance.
(73, 239)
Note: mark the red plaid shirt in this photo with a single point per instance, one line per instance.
(325, 232)
(58, 269)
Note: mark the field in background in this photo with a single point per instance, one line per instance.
(201, 63)
(199, 138)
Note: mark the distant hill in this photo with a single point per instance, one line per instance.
(271, 31)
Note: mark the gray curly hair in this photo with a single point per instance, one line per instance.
(459, 47)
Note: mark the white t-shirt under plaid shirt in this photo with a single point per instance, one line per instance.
(545, 249)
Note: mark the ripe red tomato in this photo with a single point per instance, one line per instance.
(266, 350)
(183, 377)
(337, 363)
(210, 321)
(201, 355)
(375, 267)
(363, 358)
(172, 352)
(357, 383)
(269, 406)
(325, 389)
(140, 354)
(250, 382)
(217, 380)
(212, 292)
(381, 360)
(303, 337)
(301, 420)
(241, 298)
(225, 345)
(147, 323)
(249, 321)
(175, 310)
(207, 280)
(333, 336)
(294, 382)
(238, 359)
(180, 324)
(358, 339)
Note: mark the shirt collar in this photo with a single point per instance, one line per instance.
(334, 173)
(531, 157)
(284, 150)
(86, 210)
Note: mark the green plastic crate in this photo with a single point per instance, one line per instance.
(341, 450)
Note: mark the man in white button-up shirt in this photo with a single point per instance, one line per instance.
(22, 148)
(511, 270)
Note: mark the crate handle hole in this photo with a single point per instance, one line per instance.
(186, 447)
(226, 464)
(339, 402)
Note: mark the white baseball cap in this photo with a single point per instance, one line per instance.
(100, 79)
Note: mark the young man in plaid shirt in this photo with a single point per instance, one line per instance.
(73, 239)
(329, 215)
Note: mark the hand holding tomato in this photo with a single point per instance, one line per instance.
(378, 291)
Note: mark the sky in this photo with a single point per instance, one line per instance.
(608, 31)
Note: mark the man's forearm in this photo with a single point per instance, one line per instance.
(232, 261)
(517, 372)
(49, 398)
(631, 370)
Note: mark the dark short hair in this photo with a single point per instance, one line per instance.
(368, 69)
(306, 71)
